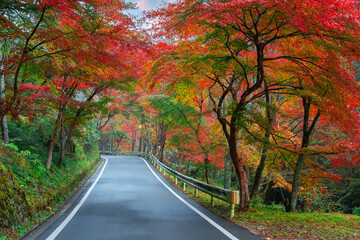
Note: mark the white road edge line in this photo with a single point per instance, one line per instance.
(221, 229)
(74, 211)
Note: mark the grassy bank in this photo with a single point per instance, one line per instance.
(272, 222)
(44, 191)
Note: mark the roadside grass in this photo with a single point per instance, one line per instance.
(272, 222)
(45, 191)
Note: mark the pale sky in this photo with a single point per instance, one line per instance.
(146, 5)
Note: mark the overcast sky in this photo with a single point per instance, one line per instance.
(146, 5)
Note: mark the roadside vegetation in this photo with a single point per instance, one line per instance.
(273, 222)
(34, 193)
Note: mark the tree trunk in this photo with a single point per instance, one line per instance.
(239, 169)
(266, 146)
(162, 141)
(155, 147)
(75, 120)
(145, 143)
(133, 140)
(118, 143)
(227, 171)
(260, 168)
(68, 139)
(5, 130)
(140, 142)
(63, 138)
(307, 131)
(4, 127)
(162, 146)
(207, 170)
(296, 183)
(53, 139)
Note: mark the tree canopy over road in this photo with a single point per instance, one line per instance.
(255, 95)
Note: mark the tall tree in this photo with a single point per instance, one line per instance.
(236, 45)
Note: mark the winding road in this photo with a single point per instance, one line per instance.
(127, 199)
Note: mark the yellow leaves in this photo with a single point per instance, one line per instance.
(280, 181)
(250, 153)
(49, 210)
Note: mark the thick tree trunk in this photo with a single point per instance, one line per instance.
(240, 171)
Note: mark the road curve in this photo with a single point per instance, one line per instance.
(128, 202)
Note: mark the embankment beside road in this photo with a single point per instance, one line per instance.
(29, 194)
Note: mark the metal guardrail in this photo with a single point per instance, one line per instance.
(226, 195)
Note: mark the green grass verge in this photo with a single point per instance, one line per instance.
(272, 222)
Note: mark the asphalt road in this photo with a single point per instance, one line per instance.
(128, 202)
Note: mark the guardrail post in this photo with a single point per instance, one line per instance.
(234, 199)
(232, 210)
(196, 192)
(176, 181)
(184, 187)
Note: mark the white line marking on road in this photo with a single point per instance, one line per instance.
(74, 211)
(221, 229)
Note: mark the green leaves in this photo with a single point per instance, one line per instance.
(172, 112)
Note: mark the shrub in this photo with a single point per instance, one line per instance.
(356, 211)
